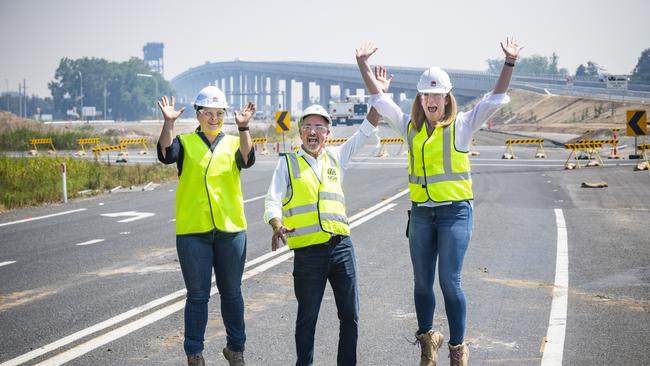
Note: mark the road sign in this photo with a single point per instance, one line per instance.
(637, 123)
(282, 121)
(617, 82)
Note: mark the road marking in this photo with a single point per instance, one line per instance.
(163, 312)
(554, 347)
(94, 241)
(136, 215)
(7, 263)
(254, 199)
(42, 217)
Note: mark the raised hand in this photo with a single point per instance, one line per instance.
(167, 109)
(364, 52)
(511, 48)
(383, 81)
(243, 118)
(279, 239)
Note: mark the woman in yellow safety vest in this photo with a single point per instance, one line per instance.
(440, 224)
(210, 221)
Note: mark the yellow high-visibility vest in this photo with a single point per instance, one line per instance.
(315, 208)
(209, 190)
(437, 170)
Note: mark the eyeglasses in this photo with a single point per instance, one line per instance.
(211, 114)
(317, 128)
(435, 96)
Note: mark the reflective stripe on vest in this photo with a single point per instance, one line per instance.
(437, 171)
(316, 208)
(209, 190)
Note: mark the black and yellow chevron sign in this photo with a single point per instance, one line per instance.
(637, 123)
(524, 141)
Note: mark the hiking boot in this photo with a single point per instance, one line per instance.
(195, 360)
(459, 355)
(234, 358)
(429, 344)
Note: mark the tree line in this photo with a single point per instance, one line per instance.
(544, 65)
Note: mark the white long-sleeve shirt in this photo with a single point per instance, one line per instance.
(280, 182)
(466, 122)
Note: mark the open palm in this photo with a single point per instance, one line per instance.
(167, 109)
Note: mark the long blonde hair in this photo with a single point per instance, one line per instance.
(418, 116)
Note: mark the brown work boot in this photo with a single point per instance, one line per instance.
(195, 360)
(234, 358)
(429, 344)
(459, 355)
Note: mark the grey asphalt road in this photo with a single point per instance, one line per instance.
(53, 290)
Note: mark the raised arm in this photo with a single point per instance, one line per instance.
(242, 119)
(511, 50)
(170, 115)
(363, 54)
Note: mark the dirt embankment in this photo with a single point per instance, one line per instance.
(533, 112)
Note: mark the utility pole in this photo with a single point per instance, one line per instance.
(7, 93)
(81, 90)
(25, 97)
(20, 100)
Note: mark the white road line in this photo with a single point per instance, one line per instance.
(7, 263)
(165, 311)
(42, 217)
(254, 199)
(554, 348)
(94, 241)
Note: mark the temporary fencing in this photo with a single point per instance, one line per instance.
(42, 141)
(510, 153)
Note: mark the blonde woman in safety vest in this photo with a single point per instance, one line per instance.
(305, 206)
(210, 221)
(440, 184)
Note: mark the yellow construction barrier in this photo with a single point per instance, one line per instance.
(338, 141)
(260, 141)
(645, 165)
(510, 153)
(385, 141)
(86, 141)
(131, 141)
(41, 141)
(100, 149)
(591, 148)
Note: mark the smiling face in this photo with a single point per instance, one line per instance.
(313, 133)
(434, 105)
(211, 120)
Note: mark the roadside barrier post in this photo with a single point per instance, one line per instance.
(65, 184)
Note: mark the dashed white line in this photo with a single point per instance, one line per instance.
(554, 348)
(89, 242)
(42, 217)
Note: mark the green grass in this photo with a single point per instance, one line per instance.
(34, 181)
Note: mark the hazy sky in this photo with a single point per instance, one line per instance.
(35, 35)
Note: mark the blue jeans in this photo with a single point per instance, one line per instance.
(313, 266)
(441, 233)
(198, 254)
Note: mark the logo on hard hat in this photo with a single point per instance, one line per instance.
(433, 83)
(215, 99)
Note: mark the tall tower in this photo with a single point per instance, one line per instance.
(153, 56)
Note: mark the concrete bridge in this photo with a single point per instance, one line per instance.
(271, 85)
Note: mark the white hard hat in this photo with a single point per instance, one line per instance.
(315, 109)
(434, 80)
(211, 97)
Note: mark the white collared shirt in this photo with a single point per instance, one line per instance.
(343, 153)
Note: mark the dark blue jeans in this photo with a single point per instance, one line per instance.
(198, 254)
(313, 266)
(441, 233)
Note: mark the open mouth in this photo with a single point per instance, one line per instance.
(433, 109)
(312, 140)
